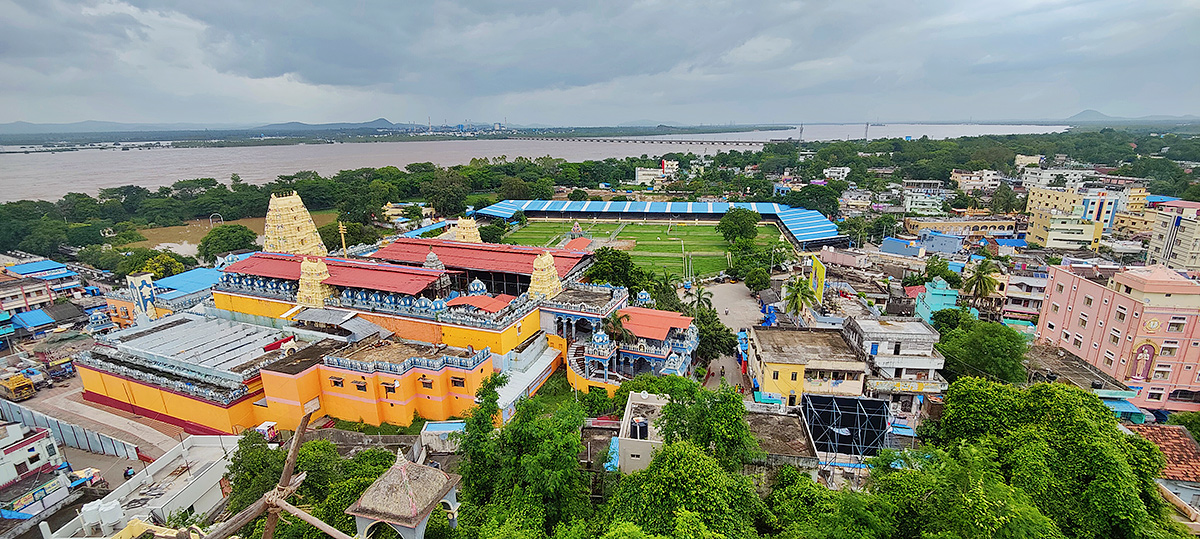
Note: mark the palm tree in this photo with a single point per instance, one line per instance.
(981, 284)
(614, 326)
(702, 298)
(798, 297)
(665, 281)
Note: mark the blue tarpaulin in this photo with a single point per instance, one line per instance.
(614, 455)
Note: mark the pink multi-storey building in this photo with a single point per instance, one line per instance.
(1137, 324)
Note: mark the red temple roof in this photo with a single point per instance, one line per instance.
(483, 303)
(652, 323)
(366, 275)
(578, 244)
(1177, 445)
(493, 257)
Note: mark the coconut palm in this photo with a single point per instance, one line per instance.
(798, 296)
(982, 283)
(665, 281)
(614, 326)
(702, 298)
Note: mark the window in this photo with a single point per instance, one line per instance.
(21, 468)
(360, 385)
(1108, 358)
(427, 384)
(1114, 336)
(1169, 349)
(1058, 287)
(774, 375)
(1066, 336)
(1162, 372)
(1054, 307)
(1087, 300)
(35, 458)
(635, 456)
(50, 451)
(458, 382)
(1078, 342)
(1155, 394)
(389, 388)
(1050, 326)
(336, 382)
(1176, 324)
(1120, 313)
(1083, 320)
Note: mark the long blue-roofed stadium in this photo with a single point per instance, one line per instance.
(808, 228)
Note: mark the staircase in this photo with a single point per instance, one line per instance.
(522, 375)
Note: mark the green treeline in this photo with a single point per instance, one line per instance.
(82, 219)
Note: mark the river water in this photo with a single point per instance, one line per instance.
(48, 176)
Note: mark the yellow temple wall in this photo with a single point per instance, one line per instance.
(251, 305)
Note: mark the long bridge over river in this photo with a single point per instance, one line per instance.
(748, 143)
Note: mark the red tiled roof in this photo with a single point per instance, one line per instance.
(483, 303)
(652, 323)
(367, 275)
(1182, 452)
(495, 257)
(914, 291)
(578, 244)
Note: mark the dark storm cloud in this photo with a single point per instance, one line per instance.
(595, 62)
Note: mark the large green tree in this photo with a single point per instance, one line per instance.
(681, 476)
(226, 238)
(987, 349)
(447, 192)
(713, 420)
(739, 223)
(1061, 446)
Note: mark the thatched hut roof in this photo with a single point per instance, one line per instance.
(405, 494)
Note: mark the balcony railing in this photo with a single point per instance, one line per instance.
(433, 364)
(222, 395)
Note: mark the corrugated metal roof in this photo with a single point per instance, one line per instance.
(35, 267)
(517, 259)
(190, 281)
(368, 275)
(804, 225)
(32, 319)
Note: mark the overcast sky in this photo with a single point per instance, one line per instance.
(596, 62)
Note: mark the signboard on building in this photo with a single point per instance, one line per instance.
(817, 281)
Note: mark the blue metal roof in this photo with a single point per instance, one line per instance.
(1011, 242)
(1154, 199)
(35, 267)
(417, 233)
(32, 319)
(1122, 406)
(804, 225)
(188, 282)
(59, 274)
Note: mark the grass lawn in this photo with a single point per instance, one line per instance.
(657, 246)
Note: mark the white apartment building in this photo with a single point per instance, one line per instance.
(902, 358)
(1073, 178)
(922, 204)
(836, 173)
(29, 476)
(926, 187)
(647, 176)
(1028, 160)
(1175, 238)
(670, 168)
(979, 180)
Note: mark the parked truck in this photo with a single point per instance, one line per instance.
(16, 387)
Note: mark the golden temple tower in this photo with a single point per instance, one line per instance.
(467, 230)
(311, 292)
(290, 229)
(544, 281)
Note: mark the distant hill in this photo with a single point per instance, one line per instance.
(648, 123)
(378, 123)
(93, 126)
(1094, 116)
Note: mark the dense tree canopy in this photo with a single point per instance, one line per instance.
(225, 238)
(739, 223)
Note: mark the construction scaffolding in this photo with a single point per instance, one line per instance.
(846, 430)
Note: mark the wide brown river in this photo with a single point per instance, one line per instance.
(48, 176)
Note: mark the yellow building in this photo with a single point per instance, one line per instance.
(1134, 223)
(961, 226)
(786, 363)
(1070, 231)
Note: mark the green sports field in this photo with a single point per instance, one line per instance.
(656, 246)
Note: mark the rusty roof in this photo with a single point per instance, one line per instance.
(1181, 450)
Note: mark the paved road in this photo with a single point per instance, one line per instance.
(737, 309)
(65, 403)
